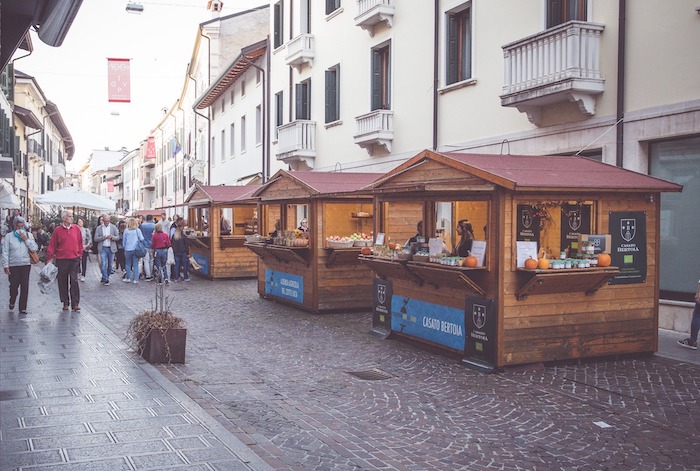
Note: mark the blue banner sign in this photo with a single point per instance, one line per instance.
(438, 324)
(284, 285)
(203, 262)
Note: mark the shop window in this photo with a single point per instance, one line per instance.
(271, 219)
(400, 220)
(561, 11)
(381, 77)
(459, 46)
(295, 213)
(333, 94)
(678, 161)
(346, 219)
(460, 222)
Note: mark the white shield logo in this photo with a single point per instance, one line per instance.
(628, 229)
(527, 218)
(575, 220)
(381, 294)
(479, 316)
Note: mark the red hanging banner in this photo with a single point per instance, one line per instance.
(119, 80)
(151, 148)
(110, 186)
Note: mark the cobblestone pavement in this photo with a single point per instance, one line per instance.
(278, 379)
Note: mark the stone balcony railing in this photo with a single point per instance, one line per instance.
(375, 128)
(557, 65)
(372, 12)
(296, 143)
(300, 51)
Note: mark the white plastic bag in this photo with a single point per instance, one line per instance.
(48, 276)
(171, 256)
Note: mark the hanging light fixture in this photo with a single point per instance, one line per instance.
(133, 7)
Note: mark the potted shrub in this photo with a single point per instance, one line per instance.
(158, 335)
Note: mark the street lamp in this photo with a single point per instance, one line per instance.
(133, 7)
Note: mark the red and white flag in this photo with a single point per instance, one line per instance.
(119, 80)
(151, 148)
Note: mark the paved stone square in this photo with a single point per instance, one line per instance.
(278, 380)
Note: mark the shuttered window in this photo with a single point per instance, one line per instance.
(278, 19)
(381, 76)
(459, 46)
(331, 6)
(303, 100)
(561, 11)
(333, 94)
(279, 109)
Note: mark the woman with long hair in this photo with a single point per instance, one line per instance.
(465, 231)
(131, 237)
(181, 250)
(15, 260)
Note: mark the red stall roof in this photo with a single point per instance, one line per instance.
(220, 194)
(542, 172)
(317, 183)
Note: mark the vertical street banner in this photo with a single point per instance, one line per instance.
(575, 220)
(110, 186)
(528, 225)
(628, 230)
(480, 322)
(151, 148)
(118, 80)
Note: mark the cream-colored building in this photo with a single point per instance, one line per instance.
(365, 84)
(43, 138)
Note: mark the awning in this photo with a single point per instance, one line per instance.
(27, 117)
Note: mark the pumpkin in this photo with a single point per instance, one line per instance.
(604, 260)
(531, 263)
(300, 242)
(470, 261)
(543, 263)
(392, 245)
(366, 251)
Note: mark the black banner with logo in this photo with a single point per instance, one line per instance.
(480, 323)
(528, 224)
(628, 231)
(575, 220)
(381, 304)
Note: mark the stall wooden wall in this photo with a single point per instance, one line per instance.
(617, 319)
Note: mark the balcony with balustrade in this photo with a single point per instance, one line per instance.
(296, 144)
(36, 151)
(148, 183)
(373, 12)
(561, 64)
(375, 129)
(300, 51)
(58, 172)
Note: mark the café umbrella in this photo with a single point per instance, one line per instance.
(74, 196)
(8, 199)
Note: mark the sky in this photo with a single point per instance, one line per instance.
(159, 43)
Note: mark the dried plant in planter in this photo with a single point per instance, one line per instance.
(157, 321)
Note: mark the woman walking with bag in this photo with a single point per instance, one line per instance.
(16, 262)
(160, 243)
(131, 238)
(181, 249)
(87, 243)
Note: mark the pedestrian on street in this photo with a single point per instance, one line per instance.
(165, 222)
(106, 237)
(160, 243)
(15, 260)
(181, 250)
(65, 249)
(173, 226)
(120, 259)
(147, 229)
(131, 238)
(692, 342)
(87, 243)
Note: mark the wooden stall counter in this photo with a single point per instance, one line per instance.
(566, 280)
(281, 253)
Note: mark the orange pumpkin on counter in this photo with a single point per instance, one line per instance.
(604, 260)
(471, 261)
(531, 263)
(543, 263)
(366, 251)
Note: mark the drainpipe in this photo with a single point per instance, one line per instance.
(197, 113)
(436, 69)
(201, 33)
(265, 101)
(621, 35)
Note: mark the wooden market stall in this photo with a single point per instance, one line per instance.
(499, 313)
(219, 218)
(302, 268)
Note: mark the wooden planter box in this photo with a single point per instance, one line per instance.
(155, 349)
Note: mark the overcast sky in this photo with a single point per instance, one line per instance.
(159, 43)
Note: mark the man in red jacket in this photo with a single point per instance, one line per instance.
(65, 250)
